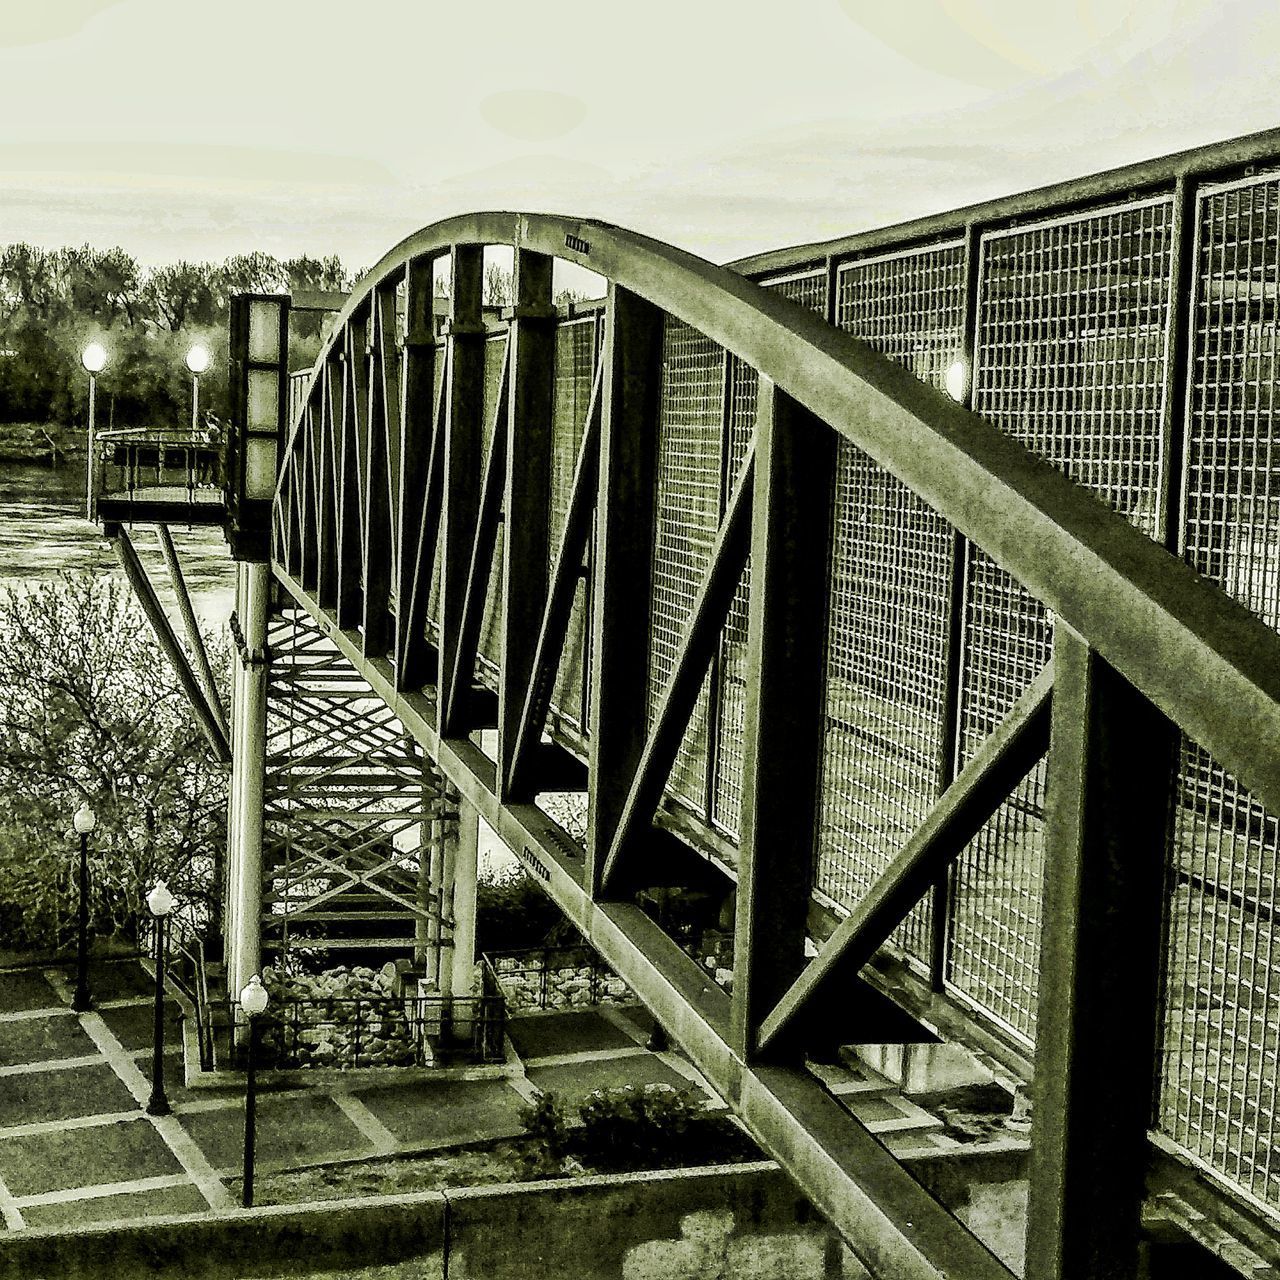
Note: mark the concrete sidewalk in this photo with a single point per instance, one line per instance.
(77, 1146)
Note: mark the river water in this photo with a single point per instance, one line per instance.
(44, 532)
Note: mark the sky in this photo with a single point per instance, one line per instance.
(179, 129)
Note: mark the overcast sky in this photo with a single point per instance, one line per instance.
(179, 128)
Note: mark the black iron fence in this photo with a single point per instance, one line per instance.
(350, 1032)
(555, 978)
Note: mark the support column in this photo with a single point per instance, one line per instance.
(244, 910)
(783, 722)
(1111, 760)
(426, 937)
(465, 866)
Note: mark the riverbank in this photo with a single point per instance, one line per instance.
(50, 443)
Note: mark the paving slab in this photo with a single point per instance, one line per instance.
(450, 1111)
(291, 1129)
(39, 1096)
(116, 979)
(548, 1034)
(84, 1157)
(134, 1204)
(43, 1039)
(134, 1024)
(575, 1080)
(21, 990)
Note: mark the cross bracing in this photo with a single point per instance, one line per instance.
(983, 693)
(353, 811)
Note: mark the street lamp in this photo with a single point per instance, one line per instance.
(94, 359)
(957, 380)
(160, 902)
(253, 1000)
(197, 362)
(84, 821)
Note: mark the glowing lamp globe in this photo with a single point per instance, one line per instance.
(84, 820)
(94, 357)
(160, 902)
(957, 380)
(198, 359)
(253, 996)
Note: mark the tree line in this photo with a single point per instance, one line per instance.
(53, 302)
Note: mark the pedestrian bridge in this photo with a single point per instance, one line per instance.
(873, 641)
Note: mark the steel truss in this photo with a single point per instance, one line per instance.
(957, 680)
(356, 816)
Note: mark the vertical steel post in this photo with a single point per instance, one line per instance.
(526, 531)
(1106, 829)
(623, 563)
(941, 894)
(460, 505)
(783, 721)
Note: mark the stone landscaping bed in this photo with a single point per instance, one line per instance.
(340, 1018)
(528, 982)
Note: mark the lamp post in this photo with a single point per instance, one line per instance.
(197, 362)
(94, 359)
(84, 821)
(160, 902)
(253, 1000)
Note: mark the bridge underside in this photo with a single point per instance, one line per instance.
(917, 718)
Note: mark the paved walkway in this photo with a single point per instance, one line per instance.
(76, 1144)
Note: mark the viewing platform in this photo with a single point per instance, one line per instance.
(158, 475)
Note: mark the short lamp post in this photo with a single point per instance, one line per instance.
(197, 362)
(84, 821)
(160, 902)
(94, 359)
(253, 1000)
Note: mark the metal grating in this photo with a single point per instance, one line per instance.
(741, 391)
(1070, 360)
(575, 368)
(688, 501)
(806, 288)
(1218, 1089)
(890, 593)
(490, 650)
(743, 385)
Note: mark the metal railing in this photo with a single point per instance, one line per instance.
(354, 1032)
(153, 461)
(555, 978)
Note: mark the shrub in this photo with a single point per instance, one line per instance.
(631, 1128)
(545, 1121)
(512, 912)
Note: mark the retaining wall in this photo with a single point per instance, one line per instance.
(743, 1221)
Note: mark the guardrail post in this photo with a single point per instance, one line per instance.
(1107, 818)
(526, 525)
(783, 720)
(460, 508)
(625, 519)
(417, 425)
